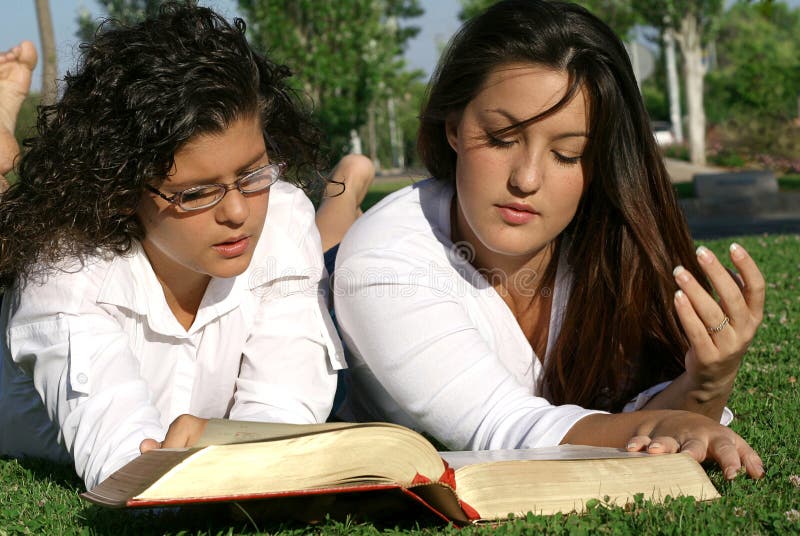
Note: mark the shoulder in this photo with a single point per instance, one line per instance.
(289, 245)
(407, 222)
(290, 212)
(65, 288)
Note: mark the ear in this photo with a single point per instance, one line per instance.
(451, 130)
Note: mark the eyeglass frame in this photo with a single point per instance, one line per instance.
(174, 199)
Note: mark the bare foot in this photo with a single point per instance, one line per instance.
(351, 177)
(16, 69)
(341, 205)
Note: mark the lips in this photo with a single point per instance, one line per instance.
(516, 213)
(233, 247)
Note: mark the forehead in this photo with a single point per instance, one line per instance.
(525, 90)
(213, 156)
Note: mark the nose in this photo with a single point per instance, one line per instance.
(233, 209)
(527, 173)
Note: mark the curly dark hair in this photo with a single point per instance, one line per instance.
(139, 94)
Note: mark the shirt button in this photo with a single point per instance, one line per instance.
(82, 378)
(60, 316)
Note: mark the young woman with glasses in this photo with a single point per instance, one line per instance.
(159, 255)
(526, 295)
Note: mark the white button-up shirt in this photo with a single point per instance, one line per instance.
(94, 361)
(433, 345)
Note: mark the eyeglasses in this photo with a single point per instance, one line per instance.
(208, 195)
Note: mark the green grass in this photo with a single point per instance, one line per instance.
(381, 189)
(37, 497)
(786, 183)
(789, 182)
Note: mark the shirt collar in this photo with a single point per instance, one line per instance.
(132, 284)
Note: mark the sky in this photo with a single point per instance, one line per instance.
(18, 22)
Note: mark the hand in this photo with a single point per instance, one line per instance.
(183, 432)
(701, 438)
(714, 356)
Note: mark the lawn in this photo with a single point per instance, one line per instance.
(786, 183)
(37, 497)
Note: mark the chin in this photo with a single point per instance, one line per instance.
(230, 268)
(510, 246)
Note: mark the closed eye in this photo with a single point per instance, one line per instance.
(493, 141)
(566, 160)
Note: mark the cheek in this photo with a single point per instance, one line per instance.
(570, 193)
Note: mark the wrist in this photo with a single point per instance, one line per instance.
(711, 390)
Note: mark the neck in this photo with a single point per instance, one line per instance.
(517, 277)
(183, 288)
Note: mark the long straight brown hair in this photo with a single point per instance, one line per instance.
(620, 332)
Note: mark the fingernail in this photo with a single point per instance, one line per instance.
(730, 473)
(632, 445)
(680, 296)
(654, 445)
(680, 274)
(737, 252)
(704, 255)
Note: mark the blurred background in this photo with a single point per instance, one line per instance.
(721, 78)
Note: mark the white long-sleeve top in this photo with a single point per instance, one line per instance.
(94, 361)
(432, 344)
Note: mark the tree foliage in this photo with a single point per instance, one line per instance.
(758, 64)
(346, 54)
(124, 11)
(619, 14)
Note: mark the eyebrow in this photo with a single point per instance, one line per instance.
(249, 166)
(516, 121)
(213, 180)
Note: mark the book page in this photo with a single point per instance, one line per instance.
(546, 487)
(461, 458)
(228, 432)
(343, 456)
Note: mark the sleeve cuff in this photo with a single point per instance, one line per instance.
(641, 400)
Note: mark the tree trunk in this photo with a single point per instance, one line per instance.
(673, 87)
(49, 59)
(373, 138)
(694, 72)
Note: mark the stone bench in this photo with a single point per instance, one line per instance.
(735, 184)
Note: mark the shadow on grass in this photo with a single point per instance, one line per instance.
(58, 474)
(390, 510)
(282, 515)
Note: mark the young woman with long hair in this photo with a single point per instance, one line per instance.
(526, 295)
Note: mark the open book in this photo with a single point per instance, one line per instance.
(329, 464)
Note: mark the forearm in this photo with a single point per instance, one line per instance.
(682, 394)
(613, 430)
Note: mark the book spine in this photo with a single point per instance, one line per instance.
(448, 478)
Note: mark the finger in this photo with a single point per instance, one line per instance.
(736, 277)
(724, 450)
(693, 326)
(751, 460)
(754, 284)
(730, 295)
(695, 448)
(663, 445)
(148, 444)
(638, 443)
(704, 305)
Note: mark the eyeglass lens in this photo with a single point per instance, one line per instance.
(206, 196)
